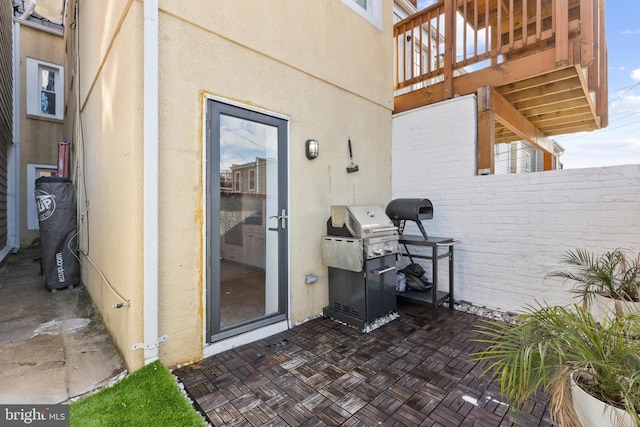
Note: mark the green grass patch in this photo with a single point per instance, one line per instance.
(148, 397)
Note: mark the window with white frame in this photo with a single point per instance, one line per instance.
(527, 162)
(35, 171)
(45, 89)
(236, 182)
(252, 180)
(371, 10)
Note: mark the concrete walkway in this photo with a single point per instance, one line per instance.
(53, 346)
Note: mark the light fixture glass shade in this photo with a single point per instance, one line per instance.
(311, 148)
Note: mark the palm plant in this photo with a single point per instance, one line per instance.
(547, 345)
(614, 274)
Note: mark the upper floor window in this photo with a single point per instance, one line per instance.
(45, 89)
(371, 10)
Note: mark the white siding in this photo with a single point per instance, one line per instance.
(503, 159)
(6, 112)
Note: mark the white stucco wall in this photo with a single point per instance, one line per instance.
(104, 62)
(310, 61)
(514, 228)
(318, 63)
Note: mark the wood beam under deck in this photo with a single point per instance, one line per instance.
(545, 58)
(493, 107)
(465, 84)
(556, 103)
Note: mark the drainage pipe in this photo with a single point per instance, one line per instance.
(29, 10)
(150, 179)
(13, 172)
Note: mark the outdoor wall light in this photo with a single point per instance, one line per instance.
(311, 147)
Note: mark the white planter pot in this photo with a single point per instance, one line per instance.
(606, 308)
(593, 412)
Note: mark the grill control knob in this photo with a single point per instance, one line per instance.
(377, 251)
(388, 249)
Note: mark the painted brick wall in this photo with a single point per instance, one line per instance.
(514, 228)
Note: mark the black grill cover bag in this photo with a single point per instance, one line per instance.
(57, 220)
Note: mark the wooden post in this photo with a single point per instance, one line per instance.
(588, 15)
(493, 29)
(561, 16)
(548, 161)
(449, 45)
(602, 94)
(486, 133)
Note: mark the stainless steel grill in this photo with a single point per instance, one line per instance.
(360, 249)
(358, 233)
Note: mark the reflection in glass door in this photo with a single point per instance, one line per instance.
(247, 219)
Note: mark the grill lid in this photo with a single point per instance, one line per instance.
(361, 220)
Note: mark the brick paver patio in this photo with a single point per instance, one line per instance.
(410, 372)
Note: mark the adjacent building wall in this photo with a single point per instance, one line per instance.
(39, 136)
(104, 119)
(6, 119)
(513, 229)
(316, 62)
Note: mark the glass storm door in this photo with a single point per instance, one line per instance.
(247, 219)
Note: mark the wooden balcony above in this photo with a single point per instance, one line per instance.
(545, 62)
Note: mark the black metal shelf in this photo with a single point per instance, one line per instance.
(423, 297)
(434, 295)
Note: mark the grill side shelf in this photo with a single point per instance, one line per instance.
(434, 297)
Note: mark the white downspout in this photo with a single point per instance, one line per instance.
(29, 10)
(150, 178)
(13, 176)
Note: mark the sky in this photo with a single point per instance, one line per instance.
(619, 142)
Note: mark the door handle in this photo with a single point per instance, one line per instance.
(283, 220)
(386, 270)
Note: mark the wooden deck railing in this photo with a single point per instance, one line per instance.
(454, 37)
